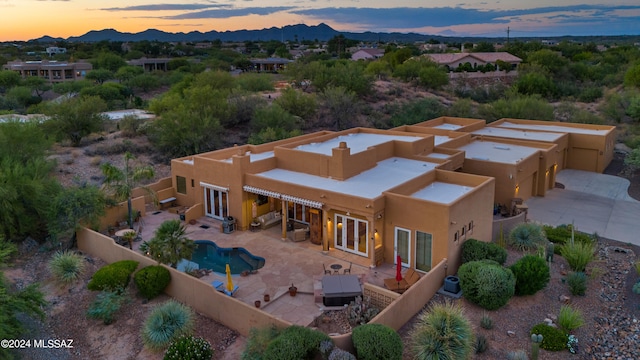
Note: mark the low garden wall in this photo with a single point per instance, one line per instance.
(507, 224)
(200, 296)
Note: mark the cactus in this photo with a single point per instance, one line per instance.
(536, 339)
(550, 249)
(361, 312)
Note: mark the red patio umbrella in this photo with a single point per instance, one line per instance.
(398, 269)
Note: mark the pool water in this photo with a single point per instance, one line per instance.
(209, 256)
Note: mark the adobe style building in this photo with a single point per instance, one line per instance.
(416, 191)
(52, 71)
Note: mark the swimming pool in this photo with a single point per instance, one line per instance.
(209, 256)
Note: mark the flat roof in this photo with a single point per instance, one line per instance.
(519, 134)
(497, 152)
(438, 155)
(120, 114)
(255, 157)
(440, 139)
(440, 192)
(369, 184)
(357, 142)
(554, 128)
(447, 126)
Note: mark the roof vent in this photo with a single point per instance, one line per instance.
(502, 147)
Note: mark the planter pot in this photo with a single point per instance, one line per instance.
(192, 221)
(267, 298)
(257, 303)
(293, 290)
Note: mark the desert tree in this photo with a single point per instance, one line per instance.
(169, 244)
(120, 182)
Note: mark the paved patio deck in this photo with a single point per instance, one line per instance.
(287, 262)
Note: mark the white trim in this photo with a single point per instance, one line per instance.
(395, 245)
(259, 191)
(215, 187)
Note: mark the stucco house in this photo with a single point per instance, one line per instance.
(367, 54)
(454, 60)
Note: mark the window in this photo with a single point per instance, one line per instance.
(456, 237)
(262, 199)
(181, 184)
(423, 251)
(470, 231)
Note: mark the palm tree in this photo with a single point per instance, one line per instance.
(120, 183)
(169, 244)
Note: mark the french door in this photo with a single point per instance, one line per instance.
(351, 235)
(216, 203)
(402, 246)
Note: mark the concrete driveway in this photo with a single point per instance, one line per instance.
(594, 203)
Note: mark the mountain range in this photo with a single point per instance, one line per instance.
(320, 32)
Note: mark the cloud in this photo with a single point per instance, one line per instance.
(162, 7)
(409, 18)
(229, 12)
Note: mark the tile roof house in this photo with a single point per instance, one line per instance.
(367, 54)
(454, 60)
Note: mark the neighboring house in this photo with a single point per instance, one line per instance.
(367, 54)
(454, 60)
(52, 71)
(416, 191)
(434, 47)
(271, 64)
(52, 50)
(151, 64)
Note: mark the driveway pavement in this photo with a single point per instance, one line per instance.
(594, 203)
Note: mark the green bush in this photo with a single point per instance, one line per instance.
(527, 236)
(636, 288)
(577, 282)
(486, 283)
(376, 341)
(442, 332)
(189, 347)
(106, 304)
(258, 340)
(66, 266)
(637, 266)
(553, 339)
(486, 322)
(532, 274)
(113, 277)
(295, 343)
(481, 344)
(561, 234)
(578, 254)
(166, 323)
(152, 280)
(569, 318)
(473, 250)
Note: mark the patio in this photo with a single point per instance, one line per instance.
(287, 262)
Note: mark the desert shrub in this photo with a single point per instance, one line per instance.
(481, 344)
(517, 355)
(166, 323)
(130, 125)
(151, 280)
(578, 254)
(295, 343)
(113, 277)
(577, 282)
(486, 322)
(553, 339)
(636, 288)
(189, 347)
(473, 250)
(486, 283)
(361, 311)
(637, 266)
(339, 354)
(532, 274)
(569, 318)
(66, 266)
(527, 236)
(442, 332)
(561, 234)
(376, 341)
(106, 304)
(326, 347)
(258, 340)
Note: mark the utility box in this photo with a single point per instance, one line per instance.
(452, 284)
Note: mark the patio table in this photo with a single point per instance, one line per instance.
(339, 290)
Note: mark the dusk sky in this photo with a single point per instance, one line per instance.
(30, 19)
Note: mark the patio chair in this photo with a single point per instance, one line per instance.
(326, 271)
(410, 277)
(348, 270)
